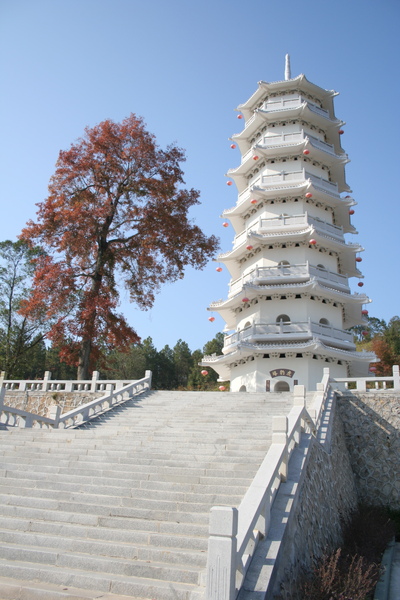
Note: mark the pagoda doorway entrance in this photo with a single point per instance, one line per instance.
(282, 386)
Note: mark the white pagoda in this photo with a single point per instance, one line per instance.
(289, 305)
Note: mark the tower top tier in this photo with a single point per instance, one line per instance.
(299, 84)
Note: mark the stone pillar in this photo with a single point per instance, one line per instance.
(396, 377)
(222, 548)
(95, 378)
(280, 436)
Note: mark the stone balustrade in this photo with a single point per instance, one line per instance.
(117, 392)
(372, 383)
(62, 385)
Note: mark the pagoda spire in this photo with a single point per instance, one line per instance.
(287, 67)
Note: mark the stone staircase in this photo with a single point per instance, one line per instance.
(120, 508)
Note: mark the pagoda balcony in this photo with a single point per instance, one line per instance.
(289, 274)
(284, 178)
(291, 108)
(284, 332)
(286, 224)
(284, 141)
(290, 103)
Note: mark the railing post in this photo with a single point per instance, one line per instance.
(46, 378)
(361, 385)
(148, 375)
(2, 389)
(280, 436)
(54, 412)
(95, 378)
(222, 547)
(396, 377)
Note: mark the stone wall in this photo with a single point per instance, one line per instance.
(372, 427)
(39, 402)
(326, 499)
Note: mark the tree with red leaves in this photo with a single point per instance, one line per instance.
(115, 210)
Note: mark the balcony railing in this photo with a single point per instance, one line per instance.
(295, 176)
(287, 104)
(288, 331)
(277, 224)
(282, 274)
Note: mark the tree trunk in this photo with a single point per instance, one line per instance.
(84, 360)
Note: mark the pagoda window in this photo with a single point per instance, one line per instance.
(324, 321)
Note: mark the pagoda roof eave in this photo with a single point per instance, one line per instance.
(245, 349)
(312, 285)
(300, 81)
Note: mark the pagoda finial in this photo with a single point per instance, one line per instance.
(287, 67)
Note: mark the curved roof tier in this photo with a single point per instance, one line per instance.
(357, 361)
(351, 303)
(299, 84)
(302, 109)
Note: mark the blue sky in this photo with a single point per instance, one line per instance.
(185, 66)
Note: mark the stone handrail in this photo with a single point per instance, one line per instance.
(62, 385)
(82, 414)
(235, 532)
(361, 383)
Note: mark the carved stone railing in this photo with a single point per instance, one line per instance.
(115, 396)
(235, 532)
(372, 383)
(62, 385)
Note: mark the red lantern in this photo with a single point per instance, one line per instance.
(364, 312)
(245, 300)
(222, 388)
(249, 247)
(233, 146)
(308, 195)
(372, 369)
(255, 157)
(351, 212)
(225, 224)
(312, 242)
(218, 269)
(306, 152)
(204, 373)
(358, 259)
(364, 333)
(211, 319)
(229, 183)
(360, 284)
(253, 201)
(340, 132)
(240, 116)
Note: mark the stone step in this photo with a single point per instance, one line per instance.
(144, 542)
(122, 549)
(103, 582)
(114, 497)
(11, 589)
(124, 458)
(112, 469)
(122, 487)
(83, 513)
(116, 479)
(100, 564)
(96, 527)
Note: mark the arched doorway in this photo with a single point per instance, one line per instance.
(282, 386)
(242, 388)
